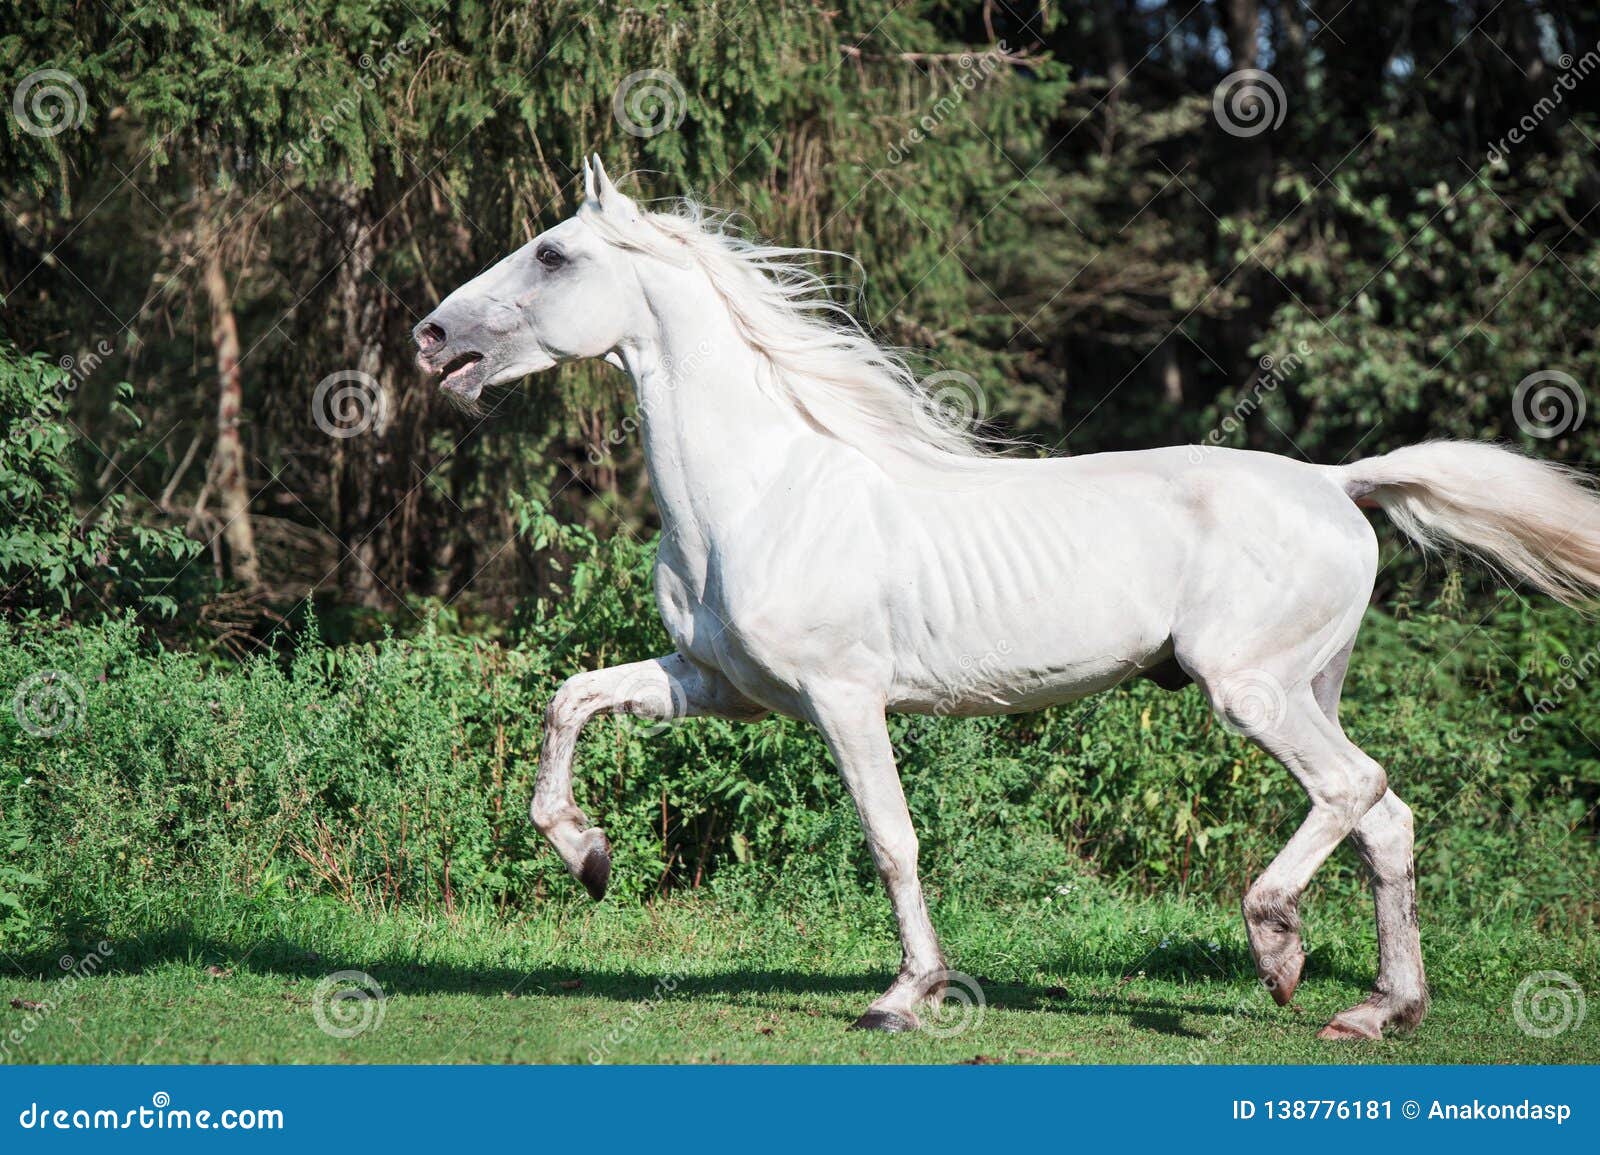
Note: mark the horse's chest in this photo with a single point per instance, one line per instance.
(763, 617)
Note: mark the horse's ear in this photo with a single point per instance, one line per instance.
(590, 193)
(604, 194)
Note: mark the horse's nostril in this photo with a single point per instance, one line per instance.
(428, 336)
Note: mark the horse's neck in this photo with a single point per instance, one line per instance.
(714, 439)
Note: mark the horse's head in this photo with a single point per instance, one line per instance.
(566, 295)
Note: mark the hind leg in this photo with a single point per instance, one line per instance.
(1342, 783)
(1383, 840)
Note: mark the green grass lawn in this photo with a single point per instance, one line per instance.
(705, 980)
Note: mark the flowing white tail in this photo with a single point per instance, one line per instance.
(1532, 519)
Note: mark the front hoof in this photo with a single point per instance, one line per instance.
(892, 1021)
(595, 871)
(1282, 975)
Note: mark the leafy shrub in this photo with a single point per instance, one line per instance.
(397, 774)
(49, 554)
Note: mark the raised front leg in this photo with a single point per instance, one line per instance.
(661, 688)
(859, 740)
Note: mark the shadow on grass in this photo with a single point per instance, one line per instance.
(282, 957)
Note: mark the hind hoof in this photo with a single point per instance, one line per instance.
(1348, 1032)
(893, 1022)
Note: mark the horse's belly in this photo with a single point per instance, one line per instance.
(1020, 608)
(1024, 665)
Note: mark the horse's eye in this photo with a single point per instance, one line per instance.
(550, 258)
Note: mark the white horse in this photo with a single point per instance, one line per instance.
(835, 546)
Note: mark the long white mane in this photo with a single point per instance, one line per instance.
(817, 356)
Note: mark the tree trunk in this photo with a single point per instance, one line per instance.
(228, 472)
(1108, 31)
(362, 465)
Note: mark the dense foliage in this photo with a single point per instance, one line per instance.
(395, 775)
(295, 657)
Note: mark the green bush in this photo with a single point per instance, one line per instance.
(397, 774)
(50, 554)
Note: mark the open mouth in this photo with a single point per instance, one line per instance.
(460, 375)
